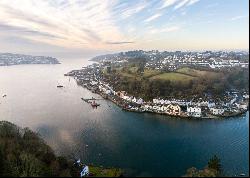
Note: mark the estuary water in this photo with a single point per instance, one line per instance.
(142, 144)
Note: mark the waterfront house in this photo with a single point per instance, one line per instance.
(156, 101)
(194, 111)
(134, 100)
(173, 110)
(147, 107)
(245, 96)
(127, 98)
(121, 94)
(156, 108)
(108, 92)
(162, 101)
(241, 106)
(140, 101)
(217, 111)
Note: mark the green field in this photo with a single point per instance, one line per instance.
(150, 72)
(196, 73)
(182, 75)
(172, 76)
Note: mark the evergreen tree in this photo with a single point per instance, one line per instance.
(214, 163)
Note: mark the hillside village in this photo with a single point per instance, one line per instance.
(174, 60)
(232, 103)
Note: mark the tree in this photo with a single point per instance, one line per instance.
(214, 163)
(29, 166)
(213, 169)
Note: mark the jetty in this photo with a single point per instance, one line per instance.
(92, 101)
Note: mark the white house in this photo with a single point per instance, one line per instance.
(232, 100)
(128, 98)
(147, 107)
(194, 111)
(155, 107)
(134, 100)
(217, 111)
(156, 101)
(246, 96)
(241, 106)
(140, 101)
(108, 92)
(210, 104)
(162, 101)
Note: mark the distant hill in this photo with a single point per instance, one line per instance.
(7, 59)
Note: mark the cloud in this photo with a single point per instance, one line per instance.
(191, 2)
(120, 42)
(238, 17)
(178, 3)
(168, 3)
(181, 4)
(24, 31)
(75, 23)
(132, 10)
(95, 24)
(153, 17)
(165, 30)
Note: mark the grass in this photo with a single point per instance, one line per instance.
(172, 76)
(133, 69)
(101, 172)
(150, 72)
(183, 75)
(196, 73)
(132, 73)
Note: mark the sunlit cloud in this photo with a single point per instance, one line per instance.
(109, 24)
(119, 42)
(130, 11)
(168, 3)
(178, 3)
(153, 17)
(76, 23)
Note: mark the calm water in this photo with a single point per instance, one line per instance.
(143, 144)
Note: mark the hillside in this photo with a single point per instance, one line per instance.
(182, 83)
(24, 154)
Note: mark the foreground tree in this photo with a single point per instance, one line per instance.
(213, 169)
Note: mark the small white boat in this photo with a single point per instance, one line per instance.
(4, 95)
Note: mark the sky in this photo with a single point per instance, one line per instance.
(89, 27)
